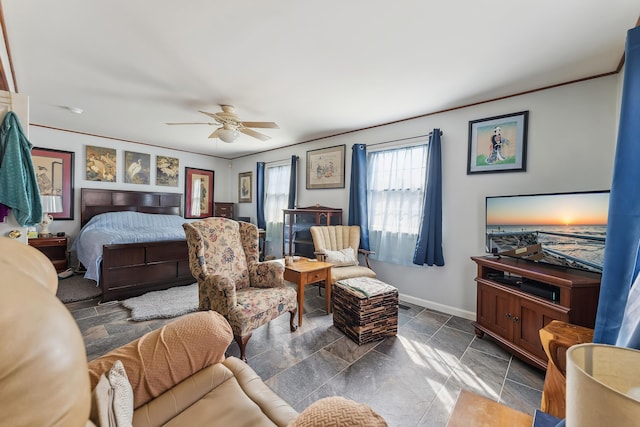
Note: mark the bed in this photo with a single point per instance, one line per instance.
(126, 270)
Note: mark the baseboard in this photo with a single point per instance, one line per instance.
(439, 307)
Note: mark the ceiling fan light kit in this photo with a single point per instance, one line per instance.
(232, 126)
(228, 135)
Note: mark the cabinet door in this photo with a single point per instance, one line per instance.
(532, 316)
(495, 310)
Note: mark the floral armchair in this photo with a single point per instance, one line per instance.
(223, 257)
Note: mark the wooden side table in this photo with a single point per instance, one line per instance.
(472, 410)
(55, 248)
(305, 272)
(556, 338)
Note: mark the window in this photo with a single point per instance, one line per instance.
(276, 199)
(395, 182)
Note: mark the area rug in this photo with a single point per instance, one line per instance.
(77, 288)
(166, 304)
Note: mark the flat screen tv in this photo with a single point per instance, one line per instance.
(564, 229)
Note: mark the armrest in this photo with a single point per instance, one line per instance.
(160, 359)
(217, 293)
(267, 274)
(366, 254)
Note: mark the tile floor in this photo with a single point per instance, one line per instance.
(412, 379)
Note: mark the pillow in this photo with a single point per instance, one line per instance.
(341, 258)
(112, 399)
(340, 412)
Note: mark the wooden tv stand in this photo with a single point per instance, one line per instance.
(514, 314)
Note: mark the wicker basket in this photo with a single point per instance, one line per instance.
(365, 317)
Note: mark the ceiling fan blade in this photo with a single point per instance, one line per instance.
(253, 133)
(215, 133)
(192, 123)
(270, 125)
(212, 115)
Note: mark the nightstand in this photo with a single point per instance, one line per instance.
(55, 248)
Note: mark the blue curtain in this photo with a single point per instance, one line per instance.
(262, 222)
(293, 178)
(619, 298)
(429, 246)
(358, 211)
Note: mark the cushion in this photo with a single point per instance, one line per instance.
(341, 258)
(162, 358)
(338, 411)
(112, 399)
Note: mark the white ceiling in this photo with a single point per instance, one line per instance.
(317, 68)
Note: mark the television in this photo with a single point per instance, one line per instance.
(564, 229)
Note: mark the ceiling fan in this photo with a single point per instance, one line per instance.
(230, 125)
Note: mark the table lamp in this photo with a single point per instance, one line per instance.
(603, 386)
(50, 204)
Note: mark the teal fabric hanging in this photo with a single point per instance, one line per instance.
(18, 183)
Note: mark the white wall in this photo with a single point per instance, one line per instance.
(571, 143)
(68, 141)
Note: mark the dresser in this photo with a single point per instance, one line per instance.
(224, 209)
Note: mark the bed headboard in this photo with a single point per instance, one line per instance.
(96, 201)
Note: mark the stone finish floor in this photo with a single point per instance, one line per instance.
(412, 379)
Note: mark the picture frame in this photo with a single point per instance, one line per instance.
(137, 168)
(54, 173)
(245, 180)
(198, 193)
(167, 171)
(101, 164)
(498, 144)
(325, 167)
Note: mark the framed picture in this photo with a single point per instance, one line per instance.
(198, 193)
(54, 171)
(498, 144)
(325, 168)
(137, 168)
(167, 171)
(244, 187)
(100, 164)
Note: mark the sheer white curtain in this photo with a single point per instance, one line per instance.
(395, 189)
(276, 199)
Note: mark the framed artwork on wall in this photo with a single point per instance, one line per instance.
(167, 171)
(101, 164)
(498, 144)
(137, 168)
(244, 187)
(54, 171)
(325, 168)
(198, 193)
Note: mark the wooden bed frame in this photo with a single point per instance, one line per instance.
(132, 269)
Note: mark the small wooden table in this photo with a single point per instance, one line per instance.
(305, 272)
(55, 248)
(472, 410)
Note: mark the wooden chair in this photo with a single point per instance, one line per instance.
(332, 244)
(223, 257)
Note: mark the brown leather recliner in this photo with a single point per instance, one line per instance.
(178, 374)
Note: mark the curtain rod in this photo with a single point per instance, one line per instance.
(401, 139)
(288, 159)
